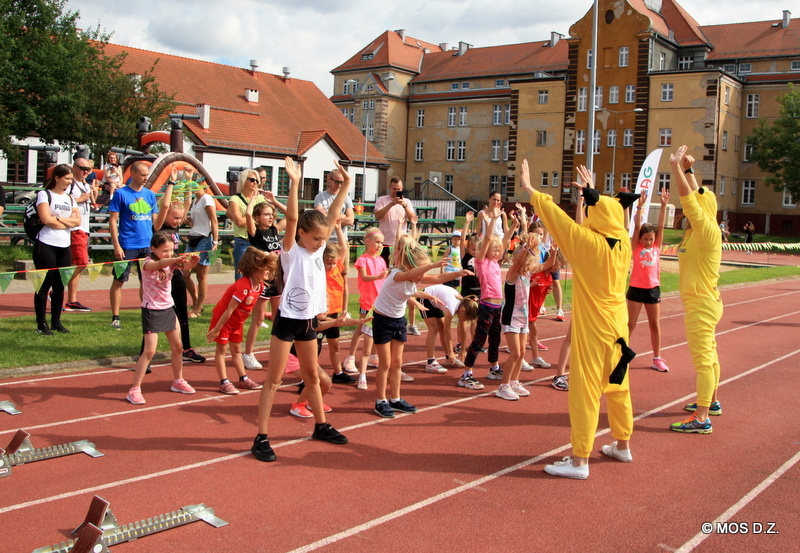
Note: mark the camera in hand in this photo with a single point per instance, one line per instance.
(399, 194)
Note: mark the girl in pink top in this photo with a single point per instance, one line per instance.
(372, 271)
(487, 267)
(645, 280)
(158, 312)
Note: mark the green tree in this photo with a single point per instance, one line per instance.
(777, 145)
(56, 82)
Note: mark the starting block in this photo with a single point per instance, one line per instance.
(9, 408)
(100, 528)
(20, 451)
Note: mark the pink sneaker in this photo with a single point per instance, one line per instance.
(249, 384)
(350, 364)
(181, 386)
(325, 407)
(301, 410)
(228, 388)
(135, 396)
(541, 346)
(373, 360)
(660, 365)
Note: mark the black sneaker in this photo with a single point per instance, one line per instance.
(403, 406)
(193, 357)
(384, 409)
(58, 327)
(263, 451)
(343, 378)
(42, 328)
(76, 306)
(327, 433)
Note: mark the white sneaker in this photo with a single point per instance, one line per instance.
(373, 360)
(543, 311)
(407, 377)
(527, 367)
(435, 368)
(540, 363)
(250, 362)
(505, 392)
(623, 455)
(519, 389)
(362, 382)
(413, 330)
(350, 364)
(455, 362)
(565, 469)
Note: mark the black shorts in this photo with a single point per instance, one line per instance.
(433, 312)
(294, 330)
(155, 321)
(333, 332)
(385, 329)
(644, 295)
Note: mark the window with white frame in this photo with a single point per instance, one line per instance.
(735, 142)
(541, 138)
(582, 98)
(724, 140)
(345, 111)
(665, 137)
(748, 151)
(499, 83)
(508, 114)
(748, 192)
(630, 93)
(625, 180)
(611, 138)
(420, 118)
(545, 179)
(663, 181)
(347, 86)
(451, 116)
(609, 184)
(555, 179)
(495, 150)
(453, 86)
(623, 56)
(627, 138)
(662, 61)
(596, 142)
(448, 183)
(352, 115)
(494, 182)
(450, 151)
(751, 111)
(368, 104)
(613, 94)
(504, 186)
(505, 150)
(462, 151)
(464, 86)
(729, 67)
(497, 114)
(371, 132)
(685, 62)
(788, 200)
(795, 65)
(462, 116)
(580, 142)
(721, 185)
(418, 151)
(589, 59)
(544, 96)
(745, 68)
(667, 91)
(598, 97)
(727, 97)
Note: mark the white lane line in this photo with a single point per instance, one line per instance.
(741, 504)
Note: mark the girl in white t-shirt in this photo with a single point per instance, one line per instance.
(51, 250)
(158, 313)
(439, 318)
(303, 301)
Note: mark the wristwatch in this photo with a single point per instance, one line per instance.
(689, 170)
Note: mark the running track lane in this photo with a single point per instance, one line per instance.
(463, 472)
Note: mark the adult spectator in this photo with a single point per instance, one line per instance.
(203, 238)
(51, 250)
(84, 194)
(249, 187)
(324, 199)
(391, 211)
(133, 208)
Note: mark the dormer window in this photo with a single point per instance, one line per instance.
(367, 56)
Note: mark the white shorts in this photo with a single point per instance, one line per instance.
(515, 329)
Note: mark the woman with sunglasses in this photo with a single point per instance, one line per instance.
(249, 187)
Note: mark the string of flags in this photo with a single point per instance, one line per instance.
(672, 249)
(37, 276)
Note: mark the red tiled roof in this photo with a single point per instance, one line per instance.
(686, 30)
(287, 108)
(657, 21)
(753, 39)
(390, 49)
(509, 59)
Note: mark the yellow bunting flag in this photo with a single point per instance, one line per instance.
(5, 280)
(66, 274)
(94, 270)
(37, 278)
(435, 251)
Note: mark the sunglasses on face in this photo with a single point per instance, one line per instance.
(337, 181)
(254, 181)
(83, 168)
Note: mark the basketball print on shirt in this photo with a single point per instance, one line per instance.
(297, 299)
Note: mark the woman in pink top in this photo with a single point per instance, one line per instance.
(645, 281)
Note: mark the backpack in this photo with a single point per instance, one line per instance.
(31, 221)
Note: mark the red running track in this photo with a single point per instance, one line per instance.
(465, 472)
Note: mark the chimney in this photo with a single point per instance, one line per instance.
(444, 46)
(554, 38)
(253, 66)
(401, 33)
(204, 113)
(787, 16)
(251, 95)
(286, 72)
(462, 48)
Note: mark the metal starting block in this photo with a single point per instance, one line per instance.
(9, 408)
(100, 519)
(20, 451)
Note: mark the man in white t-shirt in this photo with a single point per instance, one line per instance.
(324, 199)
(85, 195)
(389, 211)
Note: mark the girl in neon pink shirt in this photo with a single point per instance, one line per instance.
(645, 280)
